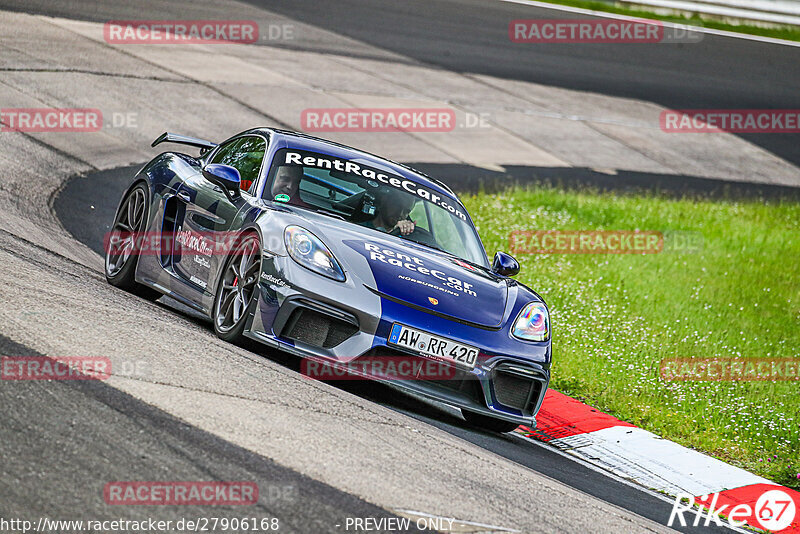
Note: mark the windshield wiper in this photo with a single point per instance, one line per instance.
(434, 247)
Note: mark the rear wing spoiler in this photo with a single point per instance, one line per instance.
(167, 137)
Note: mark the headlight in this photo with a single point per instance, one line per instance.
(533, 323)
(309, 251)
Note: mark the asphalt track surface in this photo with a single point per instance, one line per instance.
(471, 36)
(51, 458)
(55, 466)
(86, 207)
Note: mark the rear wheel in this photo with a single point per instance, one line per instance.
(121, 251)
(237, 290)
(488, 423)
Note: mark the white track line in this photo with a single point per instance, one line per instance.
(627, 481)
(459, 522)
(699, 29)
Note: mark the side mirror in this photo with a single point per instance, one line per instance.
(225, 176)
(505, 264)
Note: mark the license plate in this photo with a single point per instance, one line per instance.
(433, 346)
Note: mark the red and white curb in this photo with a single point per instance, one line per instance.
(649, 460)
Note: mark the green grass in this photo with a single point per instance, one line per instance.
(615, 317)
(790, 33)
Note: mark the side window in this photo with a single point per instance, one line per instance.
(245, 155)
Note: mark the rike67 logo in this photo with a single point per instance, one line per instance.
(774, 510)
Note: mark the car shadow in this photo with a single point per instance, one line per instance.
(371, 390)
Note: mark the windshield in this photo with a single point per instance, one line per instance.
(374, 199)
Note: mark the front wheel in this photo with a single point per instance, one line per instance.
(121, 249)
(237, 289)
(488, 423)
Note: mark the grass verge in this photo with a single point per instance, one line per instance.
(615, 317)
(790, 33)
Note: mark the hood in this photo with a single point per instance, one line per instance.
(420, 276)
(433, 281)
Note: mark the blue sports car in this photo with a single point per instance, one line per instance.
(361, 266)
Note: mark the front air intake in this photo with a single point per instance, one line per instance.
(317, 329)
(516, 391)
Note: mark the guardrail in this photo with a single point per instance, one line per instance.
(758, 12)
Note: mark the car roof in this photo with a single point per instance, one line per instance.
(301, 141)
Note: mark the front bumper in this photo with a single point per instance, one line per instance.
(343, 324)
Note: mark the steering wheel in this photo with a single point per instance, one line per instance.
(420, 235)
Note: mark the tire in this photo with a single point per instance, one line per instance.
(488, 423)
(237, 290)
(121, 258)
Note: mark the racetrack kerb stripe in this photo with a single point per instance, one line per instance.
(562, 416)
